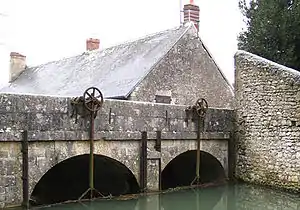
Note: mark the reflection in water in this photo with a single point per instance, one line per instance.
(107, 204)
(205, 198)
(231, 197)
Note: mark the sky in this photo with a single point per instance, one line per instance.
(46, 30)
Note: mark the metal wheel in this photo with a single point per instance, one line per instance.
(93, 99)
(201, 107)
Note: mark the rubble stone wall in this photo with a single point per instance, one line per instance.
(268, 122)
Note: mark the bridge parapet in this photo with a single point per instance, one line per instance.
(48, 118)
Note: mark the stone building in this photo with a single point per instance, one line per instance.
(173, 66)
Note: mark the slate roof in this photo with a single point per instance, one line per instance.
(116, 71)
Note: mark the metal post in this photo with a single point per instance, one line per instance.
(92, 100)
(200, 108)
(158, 148)
(159, 174)
(198, 152)
(25, 203)
(197, 178)
(92, 155)
(143, 162)
(158, 141)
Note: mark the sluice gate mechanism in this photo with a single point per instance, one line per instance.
(92, 101)
(200, 109)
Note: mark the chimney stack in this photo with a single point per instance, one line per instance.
(92, 44)
(17, 65)
(191, 13)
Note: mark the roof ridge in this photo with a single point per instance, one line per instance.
(138, 38)
(110, 47)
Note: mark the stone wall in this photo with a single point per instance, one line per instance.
(48, 118)
(185, 74)
(54, 136)
(268, 122)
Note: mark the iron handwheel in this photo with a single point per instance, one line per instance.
(93, 99)
(201, 107)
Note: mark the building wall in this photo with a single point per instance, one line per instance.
(268, 122)
(186, 73)
(54, 136)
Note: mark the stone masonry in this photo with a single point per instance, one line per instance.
(186, 72)
(268, 122)
(54, 136)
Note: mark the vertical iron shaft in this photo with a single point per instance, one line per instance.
(158, 144)
(199, 131)
(158, 141)
(159, 174)
(143, 162)
(92, 155)
(25, 203)
(198, 151)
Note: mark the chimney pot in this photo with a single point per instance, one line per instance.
(17, 65)
(191, 13)
(16, 54)
(92, 44)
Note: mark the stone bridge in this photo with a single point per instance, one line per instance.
(59, 147)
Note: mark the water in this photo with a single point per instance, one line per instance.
(230, 197)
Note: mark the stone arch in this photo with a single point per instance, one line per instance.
(181, 170)
(68, 179)
(42, 157)
(216, 148)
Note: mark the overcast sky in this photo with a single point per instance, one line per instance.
(46, 30)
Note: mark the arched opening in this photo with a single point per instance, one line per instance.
(181, 171)
(69, 179)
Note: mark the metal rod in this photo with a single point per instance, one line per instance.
(158, 141)
(159, 174)
(92, 155)
(143, 162)
(25, 203)
(200, 126)
(198, 152)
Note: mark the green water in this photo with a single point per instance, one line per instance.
(229, 197)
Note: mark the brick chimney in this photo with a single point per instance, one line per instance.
(191, 13)
(17, 65)
(92, 44)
